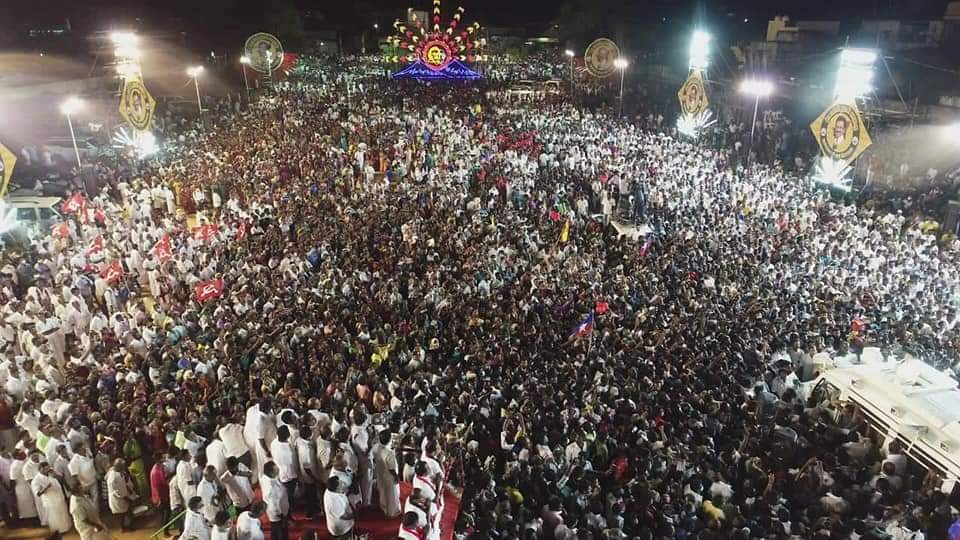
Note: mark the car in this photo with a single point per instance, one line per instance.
(32, 211)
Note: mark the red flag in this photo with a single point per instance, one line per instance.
(96, 245)
(112, 272)
(162, 250)
(208, 290)
(554, 215)
(73, 204)
(205, 232)
(601, 307)
(61, 230)
(99, 215)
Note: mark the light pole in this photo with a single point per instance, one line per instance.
(570, 55)
(757, 88)
(195, 72)
(68, 107)
(621, 64)
(269, 54)
(244, 61)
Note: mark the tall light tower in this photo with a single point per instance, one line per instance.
(244, 62)
(195, 72)
(570, 54)
(757, 88)
(621, 64)
(68, 108)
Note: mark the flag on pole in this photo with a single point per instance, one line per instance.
(61, 230)
(206, 232)
(73, 204)
(565, 232)
(602, 307)
(208, 290)
(242, 230)
(96, 246)
(585, 327)
(162, 250)
(112, 272)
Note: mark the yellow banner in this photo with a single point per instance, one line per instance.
(693, 95)
(841, 133)
(136, 104)
(7, 161)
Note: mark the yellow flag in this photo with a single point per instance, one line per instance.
(136, 104)
(565, 232)
(7, 162)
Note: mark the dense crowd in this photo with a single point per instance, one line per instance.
(320, 296)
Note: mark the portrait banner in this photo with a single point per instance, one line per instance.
(600, 58)
(264, 51)
(136, 104)
(841, 133)
(693, 95)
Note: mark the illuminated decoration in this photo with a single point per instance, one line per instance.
(126, 53)
(833, 172)
(136, 104)
(691, 125)
(7, 162)
(264, 51)
(453, 71)
(840, 132)
(695, 114)
(600, 58)
(435, 53)
(141, 144)
(693, 97)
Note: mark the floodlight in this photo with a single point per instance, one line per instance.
(620, 63)
(756, 87)
(71, 105)
(699, 50)
(568, 52)
(194, 71)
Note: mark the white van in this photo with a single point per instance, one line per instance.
(905, 400)
(35, 214)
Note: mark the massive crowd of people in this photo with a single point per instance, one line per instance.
(318, 296)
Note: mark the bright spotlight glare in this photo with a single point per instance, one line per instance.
(126, 68)
(568, 52)
(858, 56)
(244, 59)
(124, 39)
(953, 131)
(832, 172)
(699, 50)
(855, 77)
(143, 144)
(620, 63)
(194, 71)
(71, 105)
(127, 51)
(691, 124)
(756, 87)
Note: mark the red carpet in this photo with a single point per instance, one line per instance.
(372, 521)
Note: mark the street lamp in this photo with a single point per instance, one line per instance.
(757, 88)
(376, 26)
(195, 72)
(570, 54)
(621, 64)
(244, 62)
(68, 107)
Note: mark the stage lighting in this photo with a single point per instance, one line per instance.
(855, 77)
(699, 50)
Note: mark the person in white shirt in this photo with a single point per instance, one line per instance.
(217, 455)
(209, 491)
(307, 458)
(236, 480)
(259, 430)
(337, 508)
(424, 483)
(187, 476)
(387, 475)
(233, 443)
(285, 458)
(412, 527)
(195, 526)
(248, 523)
(221, 526)
(84, 472)
(120, 493)
(278, 504)
(51, 495)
